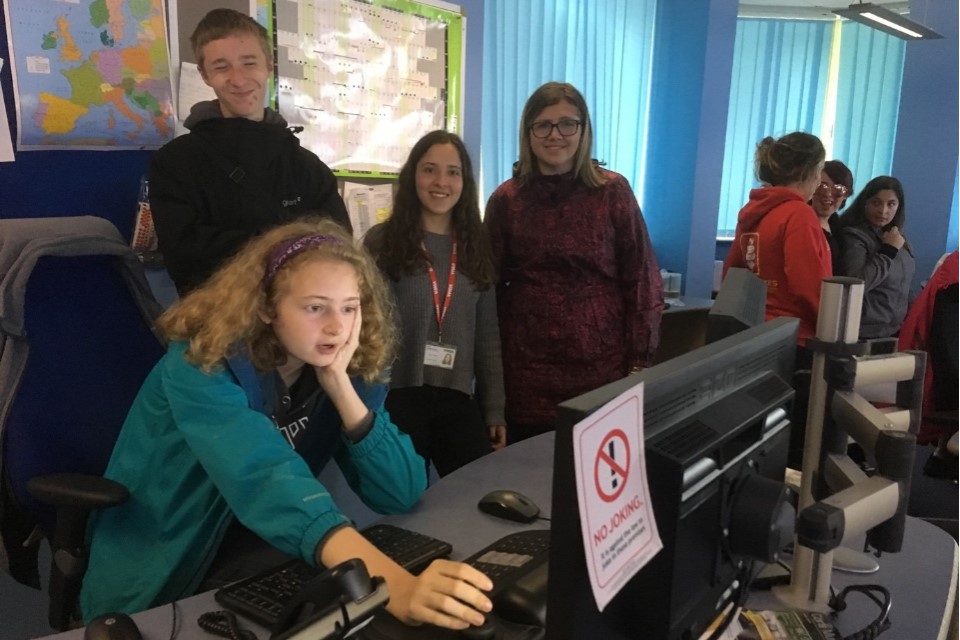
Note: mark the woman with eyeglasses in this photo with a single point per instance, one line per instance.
(836, 185)
(579, 295)
(875, 250)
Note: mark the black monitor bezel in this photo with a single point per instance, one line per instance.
(686, 384)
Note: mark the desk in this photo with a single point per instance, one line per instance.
(922, 579)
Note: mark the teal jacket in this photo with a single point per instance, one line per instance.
(199, 449)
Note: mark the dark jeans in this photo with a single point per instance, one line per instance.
(446, 426)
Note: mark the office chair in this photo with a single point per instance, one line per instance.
(76, 343)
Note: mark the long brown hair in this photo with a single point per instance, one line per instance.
(399, 248)
(222, 317)
(856, 214)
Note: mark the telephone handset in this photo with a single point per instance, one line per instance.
(332, 604)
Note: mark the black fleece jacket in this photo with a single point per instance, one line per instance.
(202, 215)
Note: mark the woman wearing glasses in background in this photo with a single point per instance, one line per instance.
(836, 185)
(875, 251)
(579, 295)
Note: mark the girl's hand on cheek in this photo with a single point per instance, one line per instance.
(341, 359)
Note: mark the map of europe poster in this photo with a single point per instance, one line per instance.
(91, 74)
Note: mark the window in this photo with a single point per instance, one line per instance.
(837, 80)
(602, 47)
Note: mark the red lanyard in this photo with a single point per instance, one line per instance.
(442, 312)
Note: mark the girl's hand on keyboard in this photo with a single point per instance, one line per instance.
(447, 594)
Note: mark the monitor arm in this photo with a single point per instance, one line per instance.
(838, 501)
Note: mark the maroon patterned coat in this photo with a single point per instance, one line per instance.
(579, 295)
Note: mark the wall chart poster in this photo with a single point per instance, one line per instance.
(367, 79)
(90, 74)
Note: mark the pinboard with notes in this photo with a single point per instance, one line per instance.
(367, 79)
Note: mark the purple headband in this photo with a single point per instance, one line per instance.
(290, 248)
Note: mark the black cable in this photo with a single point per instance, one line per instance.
(881, 623)
(543, 518)
(224, 624)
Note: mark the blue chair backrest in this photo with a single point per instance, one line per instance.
(90, 349)
(88, 330)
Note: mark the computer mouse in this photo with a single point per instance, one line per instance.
(112, 626)
(509, 505)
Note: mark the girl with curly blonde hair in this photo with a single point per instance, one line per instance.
(236, 305)
(275, 366)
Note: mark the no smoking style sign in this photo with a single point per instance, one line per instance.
(612, 467)
(616, 517)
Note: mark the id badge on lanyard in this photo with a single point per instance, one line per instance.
(438, 354)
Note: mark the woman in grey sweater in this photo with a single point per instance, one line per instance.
(875, 250)
(446, 386)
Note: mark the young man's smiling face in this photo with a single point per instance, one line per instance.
(236, 69)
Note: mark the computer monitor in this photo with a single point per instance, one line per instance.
(741, 303)
(712, 418)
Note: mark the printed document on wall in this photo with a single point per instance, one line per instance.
(367, 205)
(616, 515)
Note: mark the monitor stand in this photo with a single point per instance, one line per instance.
(853, 561)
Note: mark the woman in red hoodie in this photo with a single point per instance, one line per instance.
(778, 235)
(779, 238)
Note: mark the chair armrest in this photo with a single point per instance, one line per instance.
(74, 496)
(77, 490)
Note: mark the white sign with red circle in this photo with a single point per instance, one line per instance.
(616, 516)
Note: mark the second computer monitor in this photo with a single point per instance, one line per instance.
(715, 420)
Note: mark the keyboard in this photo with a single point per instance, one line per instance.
(263, 597)
(411, 550)
(518, 565)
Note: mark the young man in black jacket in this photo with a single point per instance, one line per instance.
(240, 170)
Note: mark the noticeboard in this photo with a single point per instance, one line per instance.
(366, 80)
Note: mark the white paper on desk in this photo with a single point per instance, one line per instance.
(6, 142)
(616, 516)
(191, 90)
(367, 205)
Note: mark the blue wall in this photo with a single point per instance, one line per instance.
(473, 80)
(925, 152)
(690, 90)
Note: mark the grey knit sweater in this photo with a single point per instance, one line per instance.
(470, 325)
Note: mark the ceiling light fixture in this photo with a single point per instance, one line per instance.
(887, 21)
